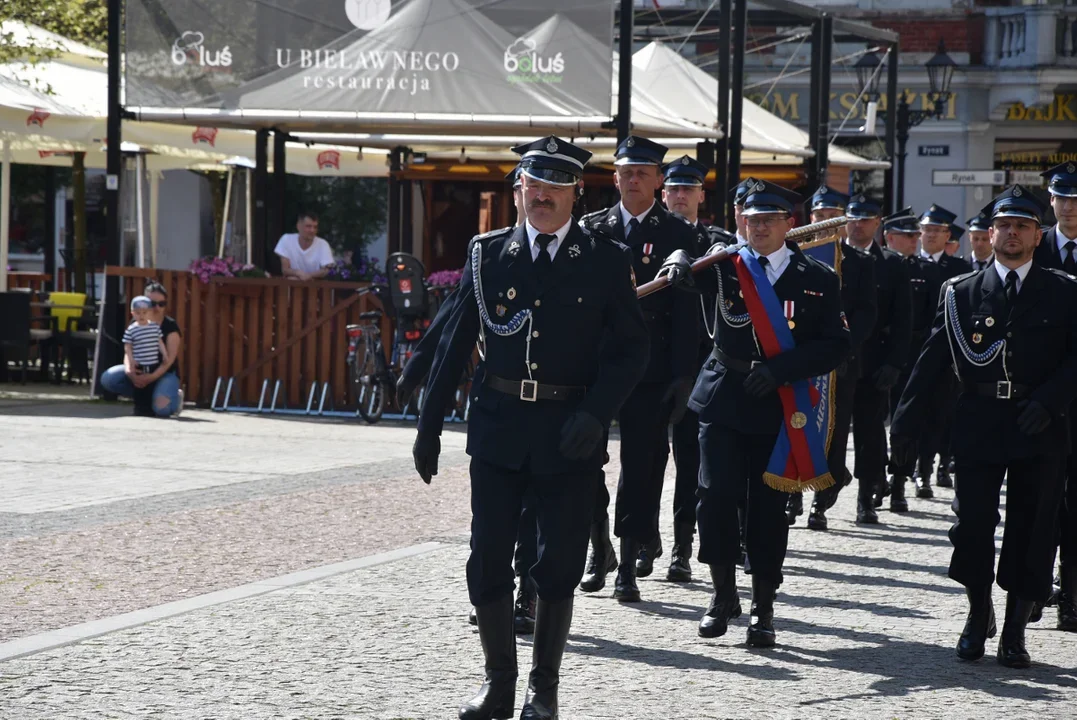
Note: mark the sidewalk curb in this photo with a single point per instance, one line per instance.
(52, 639)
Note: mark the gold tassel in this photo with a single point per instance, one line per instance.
(792, 485)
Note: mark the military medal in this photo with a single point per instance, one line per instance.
(511, 293)
(790, 310)
(501, 310)
(647, 248)
(989, 322)
(798, 420)
(977, 338)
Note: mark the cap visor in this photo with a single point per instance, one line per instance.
(765, 210)
(1015, 213)
(683, 181)
(861, 215)
(634, 161)
(550, 176)
(1063, 191)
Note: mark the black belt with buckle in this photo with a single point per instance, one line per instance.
(741, 366)
(532, 390)
(1001, 390)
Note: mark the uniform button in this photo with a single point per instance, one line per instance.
(538, 303)
(534, 334)
(1009, 334)
(1009, 353)
(534, 366)
(579, 300)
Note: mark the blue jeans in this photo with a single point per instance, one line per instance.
(165, 390)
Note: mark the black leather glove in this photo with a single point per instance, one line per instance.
(404, 391)
(678, 268)
(760, 382)
(580, 436)
(1034, 417)
(902, 453)
(425, 452)
(886, 377)
(679, 391)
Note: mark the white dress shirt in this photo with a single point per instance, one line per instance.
(1062, 240)
(933, 258)
(626, 217)
(777, 261)
(1022, 271)
(533, 233)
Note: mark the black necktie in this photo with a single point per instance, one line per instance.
(543, 262)
(1070, 263)
(764, 263)
(1011, 288)
(633, 225)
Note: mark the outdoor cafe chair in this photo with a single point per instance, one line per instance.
(18, 331)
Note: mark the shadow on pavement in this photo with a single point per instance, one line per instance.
(872, 562)
(909, 667)
(874, 580)
(809, 601)
(591, 646)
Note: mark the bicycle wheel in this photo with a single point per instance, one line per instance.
(367, 387)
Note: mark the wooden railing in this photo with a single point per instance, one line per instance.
(37, 282)
(255, 329)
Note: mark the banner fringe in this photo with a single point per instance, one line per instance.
(792, 485)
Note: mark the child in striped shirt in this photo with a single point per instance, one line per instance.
(143, 342)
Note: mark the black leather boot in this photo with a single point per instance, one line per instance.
(865, 507)
(1011, 644)
(552, 622)
(817, 518)
(794, 508)
(1067, 599)
(879, 492)
(725, 604)
(680, 567)
(625, 588)
(979, 625)
(943, 478)
(823, 501)
(523, 615)
(497, 696)
(922, 479)
(647, 555)
(898, 503)
(602, 561)
(761, 630)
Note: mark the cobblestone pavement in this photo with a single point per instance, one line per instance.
(866, 619)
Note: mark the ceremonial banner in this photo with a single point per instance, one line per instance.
(798, 462)
(511, 57)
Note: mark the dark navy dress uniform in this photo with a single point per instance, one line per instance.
(1055, 251)
(564, 343)
(1015, 352)
(738, 430)
(673, 326)
(859, 302)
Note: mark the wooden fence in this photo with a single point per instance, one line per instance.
(257, 329)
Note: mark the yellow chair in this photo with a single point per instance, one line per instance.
(67, 308)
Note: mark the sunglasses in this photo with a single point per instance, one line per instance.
(160, 304)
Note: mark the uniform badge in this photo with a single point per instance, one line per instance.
(574, 251)
(511, 293)
(977, 338)
(798, 420)
(631, 142)
(729, 304)
(1071, 168)
(551, 147)
(989, 322)
(501, 310)
(1017, 192)
(611, 220)
(654, 220)
(685, 161)
(514, 248)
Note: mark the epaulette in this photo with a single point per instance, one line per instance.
(494, 233)
(1062, 273)
(589, 217)
(601, 232)
(957, 278)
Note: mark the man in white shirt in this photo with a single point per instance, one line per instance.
(304, 255)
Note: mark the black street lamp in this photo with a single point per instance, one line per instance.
(940, 72)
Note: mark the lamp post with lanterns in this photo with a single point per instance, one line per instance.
(940, 71)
